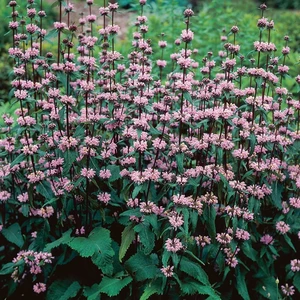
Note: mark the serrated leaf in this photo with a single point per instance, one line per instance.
(241, 284)
(147, 237)
(63, 290)
(98, 242)
(66, 238)
(113, 286)
(128, 236)
(192, 287)
(104, 261)
(152, 289)
(13, 234)
(194, 270)
(142, 266)
(92, 292)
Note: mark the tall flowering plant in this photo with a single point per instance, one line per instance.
(118, 179)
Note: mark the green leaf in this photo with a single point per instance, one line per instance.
(42, 235)
(296, 281)
(152, 289)
(44, 188)
(209, 215)
(147, 237)
(249, 251)
(66, 238)
(191, 287)
(115, 172)
(179, 161)
(269, 284)
(241, 284)
(19, 159)
(69, 158)
(136, 190)
(104, 261)
(113, 286)
(98, 241)
(128, 235)
(13, 234)
(9, 267)
(142, 266)
(289, 242)
(277, 194)
(194, 270)
(63, 290)
(92, 292)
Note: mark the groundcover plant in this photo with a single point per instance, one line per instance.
(118, 180)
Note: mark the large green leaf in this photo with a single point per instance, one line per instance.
(66, 238)
(296, 281)
(63, 290)
(147, 237)
(113, 286)
(128, 235)
(142, 266)
(277, 194)
(69, 158)
(13, 234)
(152, 289)
(179, 161)
(115, 172)
(9, 267)
(98, 242)
(209, 215)
(241, 284)
(194, 270)
(191, 287)
(44, 188)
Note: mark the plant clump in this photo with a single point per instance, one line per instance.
(122, 179)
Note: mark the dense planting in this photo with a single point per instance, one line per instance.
(120, 179)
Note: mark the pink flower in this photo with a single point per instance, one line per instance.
(88, 173)
(39, 287)
(288, 290)
(173, 245)
(168, 271)
(175, 220)
(267, 239)
(223, 238)
(105, 174)
(295, 265)
(242, 234)
(4, 196)
(60, 26)
(104, 197)
(282, 227)
(161, 63)
(187, 35)
(23, 197)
